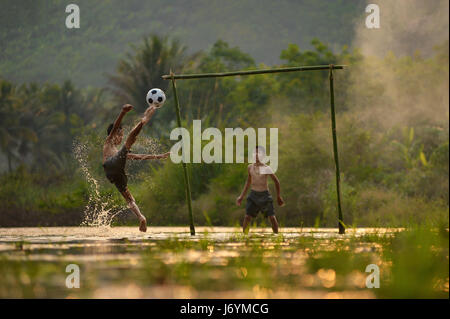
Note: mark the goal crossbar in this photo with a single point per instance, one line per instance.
(251, 72)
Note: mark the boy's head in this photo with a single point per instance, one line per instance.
(117, 138)
(259, 154)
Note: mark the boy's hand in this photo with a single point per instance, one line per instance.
(127, 108)
(239, 200)
(280, 201)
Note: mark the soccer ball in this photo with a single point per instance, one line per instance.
(156, 97)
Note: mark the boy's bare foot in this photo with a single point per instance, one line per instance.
(148, 114)
(143, 225)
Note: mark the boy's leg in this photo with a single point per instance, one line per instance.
(246, 223)
(131, 138)
(135, 209)
(269, 212)
(273, 221)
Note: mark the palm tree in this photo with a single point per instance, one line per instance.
(142, 69)
(12, 131)
(38, 118)
(7, 140)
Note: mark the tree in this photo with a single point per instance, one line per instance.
(142, 69)
(308, 89)
(8, 141)
(213, 99)
(14, 133)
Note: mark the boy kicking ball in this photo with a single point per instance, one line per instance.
(114, 160)
(259, 199)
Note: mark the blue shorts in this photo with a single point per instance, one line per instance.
(259, 202)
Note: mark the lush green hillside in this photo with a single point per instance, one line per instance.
(35, 45)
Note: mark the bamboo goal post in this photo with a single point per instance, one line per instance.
(330, 68)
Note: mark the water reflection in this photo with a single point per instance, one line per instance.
(166, 262)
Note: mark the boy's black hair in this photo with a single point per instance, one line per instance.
(110, 127)
(259, 147)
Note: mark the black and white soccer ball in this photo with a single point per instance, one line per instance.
(156, 97)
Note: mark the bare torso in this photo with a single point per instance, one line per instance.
(259, 174)
(108, 150)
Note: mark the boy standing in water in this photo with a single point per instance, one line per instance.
(259, 198)
(114, 160)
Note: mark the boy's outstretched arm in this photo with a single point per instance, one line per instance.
(147, 156)
(125, 109)
(278, 188)
(246, 187)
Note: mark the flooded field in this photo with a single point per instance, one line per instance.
(220, 262)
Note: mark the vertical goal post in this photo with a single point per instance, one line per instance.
(173, 77)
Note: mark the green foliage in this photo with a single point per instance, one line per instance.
(393, 172)
(41, 122)
(419, 260)
(142, 69)
(25, 191)
(306, 90)
(35, 44)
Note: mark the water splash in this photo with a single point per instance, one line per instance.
(144, 144)
(100, 210)
(140, 169)
(151, 145)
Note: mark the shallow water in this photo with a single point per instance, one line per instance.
(106, 233)
(167, 262)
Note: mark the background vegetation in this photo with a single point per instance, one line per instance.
(60, 88)
(394, 172)
(36, 46)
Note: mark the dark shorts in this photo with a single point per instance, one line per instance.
(115, 169)
(259, 202)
